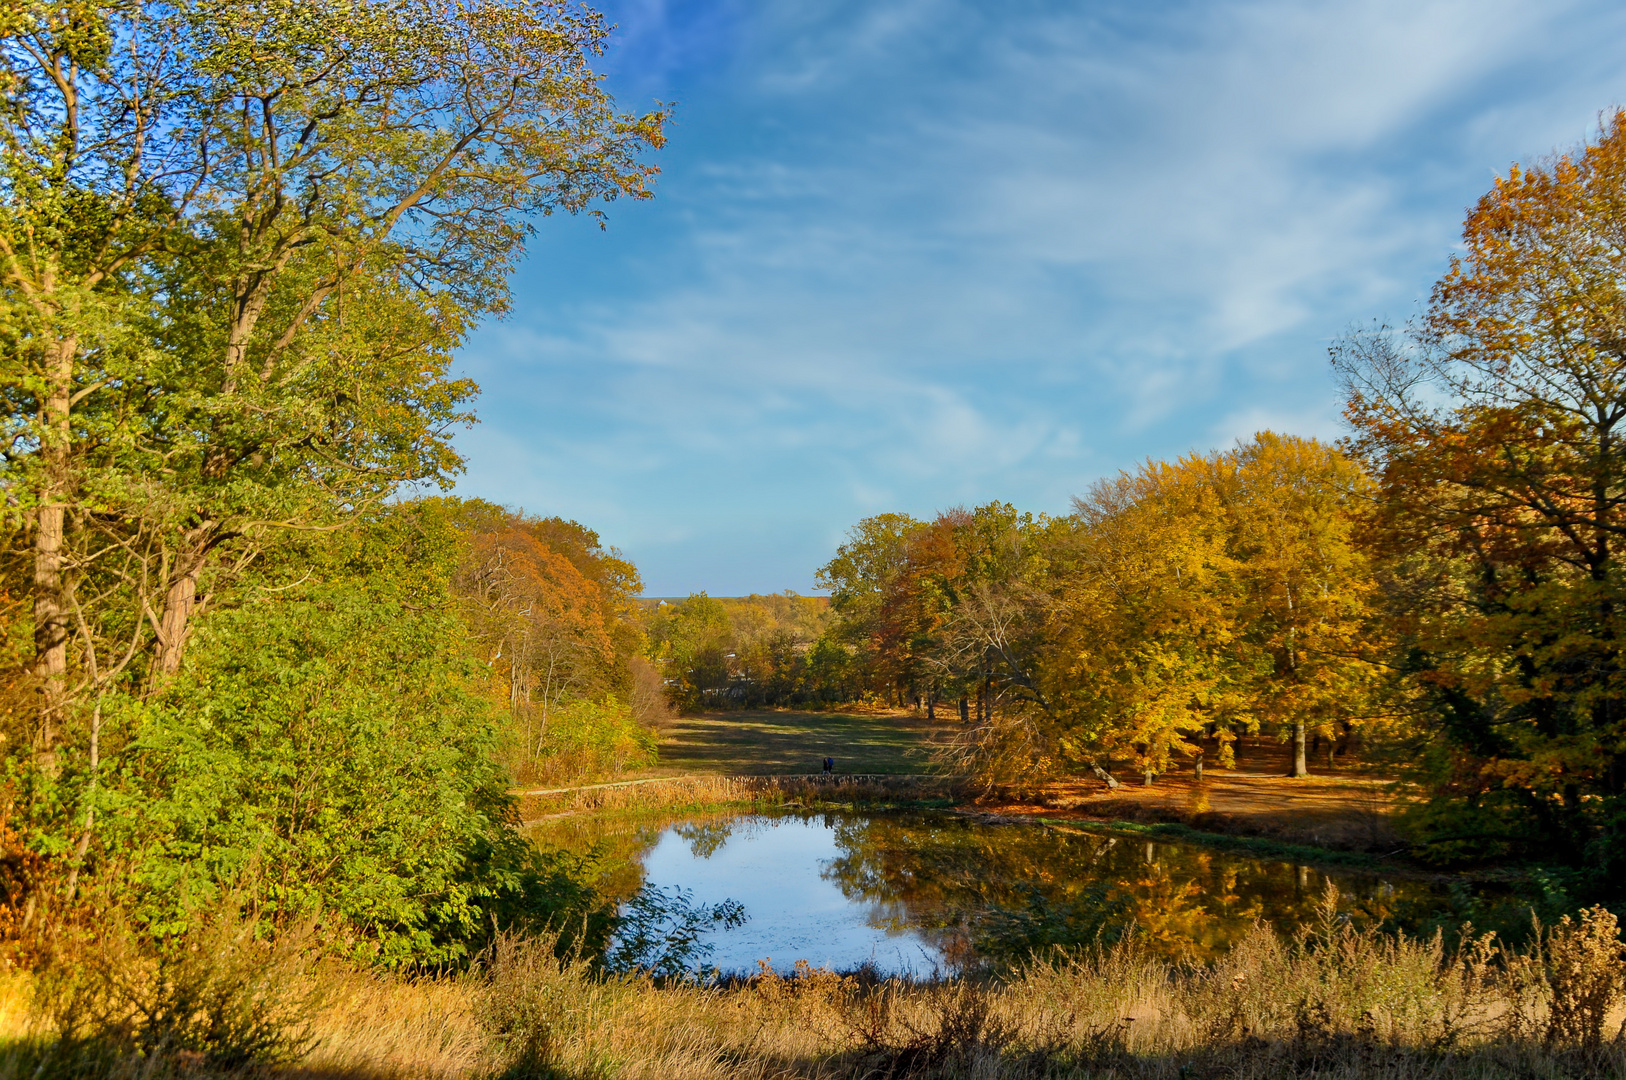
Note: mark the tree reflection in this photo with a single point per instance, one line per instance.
(994, 893)
(997, 893)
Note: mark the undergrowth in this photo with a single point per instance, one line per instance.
(1331, 1000)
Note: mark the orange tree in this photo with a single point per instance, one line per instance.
(1496, 427)
(550, 609)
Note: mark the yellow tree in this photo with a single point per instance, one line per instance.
(1213, 594)
(1306, 589)
(1149, 620)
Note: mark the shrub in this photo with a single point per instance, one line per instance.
(591, 738)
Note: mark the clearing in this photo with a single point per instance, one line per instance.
(757, 742)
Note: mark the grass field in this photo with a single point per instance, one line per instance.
(758, 742)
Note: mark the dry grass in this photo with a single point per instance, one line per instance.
(1331, 1002)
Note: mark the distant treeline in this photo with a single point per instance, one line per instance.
(742, 652)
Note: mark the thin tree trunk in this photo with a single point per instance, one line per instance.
(965, 710)
(175, 622)
(50, 588)
(1105, 777)
(181, 598)
(1300, 767)
(94, 767)
(1197, 767)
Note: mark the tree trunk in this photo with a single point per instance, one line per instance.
(1105, 777)
(1300, 767)
(931, 706)
(181, 600)
(50, 528)
(965, 710)
(175, 622)
(1147, 777)
(94, 768)
(1197, 767)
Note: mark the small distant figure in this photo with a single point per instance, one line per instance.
(829, 765)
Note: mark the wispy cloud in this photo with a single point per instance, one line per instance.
(910, 253)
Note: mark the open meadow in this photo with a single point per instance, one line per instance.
(1344, 807)
(754, 742)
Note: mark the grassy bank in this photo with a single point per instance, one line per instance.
(1330, 1002)
(679, 793)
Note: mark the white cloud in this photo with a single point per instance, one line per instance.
(927, 251)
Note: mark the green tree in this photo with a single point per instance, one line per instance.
(870, 592)
(237, 242)
(329, 751)
(690, 641)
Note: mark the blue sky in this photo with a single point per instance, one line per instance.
(909, 254)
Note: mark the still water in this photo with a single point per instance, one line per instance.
(921, 894)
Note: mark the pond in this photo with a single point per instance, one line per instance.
(928, 893)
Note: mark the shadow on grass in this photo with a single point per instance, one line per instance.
(965, 1043)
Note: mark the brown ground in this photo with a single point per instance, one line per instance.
(1347, 807)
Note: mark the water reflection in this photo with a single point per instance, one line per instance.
(777, 868)
(977, 890)
(918, 893)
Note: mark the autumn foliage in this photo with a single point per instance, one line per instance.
(1446, 582)
(1493, 428)
(1178, 606)
(553, 613)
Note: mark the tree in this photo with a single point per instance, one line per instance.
(1307, 588)
(1495, 427)
(1149, 645)
(1215, 594)
(871, 594)
(690, 641)
(237, 242)
(551, 610)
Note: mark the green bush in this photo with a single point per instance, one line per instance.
(594, 737)
(327, 755)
